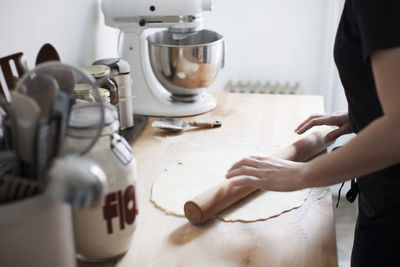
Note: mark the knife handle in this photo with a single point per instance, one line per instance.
(218, 198)
(205, 124)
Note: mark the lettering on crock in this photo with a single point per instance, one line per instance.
(122, 205)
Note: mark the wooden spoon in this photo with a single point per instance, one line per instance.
(47, 53)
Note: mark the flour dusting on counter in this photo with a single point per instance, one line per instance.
(169, 139)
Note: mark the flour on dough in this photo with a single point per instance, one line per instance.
(194, 173)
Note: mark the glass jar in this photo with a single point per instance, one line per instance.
(105, 94)
(101, 74)
(104, 233)
(84, 91)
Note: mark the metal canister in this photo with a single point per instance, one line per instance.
(104, 233)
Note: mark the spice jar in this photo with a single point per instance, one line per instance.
(84, 91)
(105, 94)
(101, 74)
(105, 232)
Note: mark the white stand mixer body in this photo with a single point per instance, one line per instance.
(149, 96)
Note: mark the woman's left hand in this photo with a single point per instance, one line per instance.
(270, 173)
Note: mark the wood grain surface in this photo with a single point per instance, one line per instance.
(301, 237)
(221, 196)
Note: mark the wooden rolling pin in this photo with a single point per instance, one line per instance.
(218, 198)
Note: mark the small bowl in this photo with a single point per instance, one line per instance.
(186, 67)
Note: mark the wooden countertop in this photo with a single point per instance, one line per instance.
(301, 237)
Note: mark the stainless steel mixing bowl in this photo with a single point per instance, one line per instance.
(185, 67)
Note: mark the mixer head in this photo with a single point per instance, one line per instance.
(181, 16)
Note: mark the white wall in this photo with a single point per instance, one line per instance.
(73, 27)
(276, 40)
(280, 40)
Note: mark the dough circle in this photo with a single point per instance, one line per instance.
(194, 173)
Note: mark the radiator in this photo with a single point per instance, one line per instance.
(262, 87)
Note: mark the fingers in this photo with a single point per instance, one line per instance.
(244, 170)
(251, 162)
(339, 119)
(245, 181)
(301, 125)
(331, 136)
(312, 121)
(259, 158)
(252, 166)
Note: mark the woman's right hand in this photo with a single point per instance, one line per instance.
(339, 119)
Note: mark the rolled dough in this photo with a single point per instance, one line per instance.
(194, 173)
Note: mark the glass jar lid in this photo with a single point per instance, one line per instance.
(98, 71)
(83, 87)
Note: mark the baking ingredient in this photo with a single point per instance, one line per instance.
(105, 232)
(194, 173)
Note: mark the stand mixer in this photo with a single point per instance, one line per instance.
(170, 68)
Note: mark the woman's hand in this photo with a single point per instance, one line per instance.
(272, 174)
(339, 119)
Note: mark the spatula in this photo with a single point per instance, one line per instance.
(176, 125)
(10, 78)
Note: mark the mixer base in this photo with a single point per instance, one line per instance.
(171, 108)
(186, 98)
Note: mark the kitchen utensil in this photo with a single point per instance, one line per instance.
(216, 199)
(47, 53)
(19, 62)
(64, 77)
(27, 114)
(42, 89)
(170, 69)
(60, 111)
(7, 161)
(77, 180)
(13, 188)
(3, 115)
(11, 143)
(5, 167)
(177, 125)
(51, 85)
